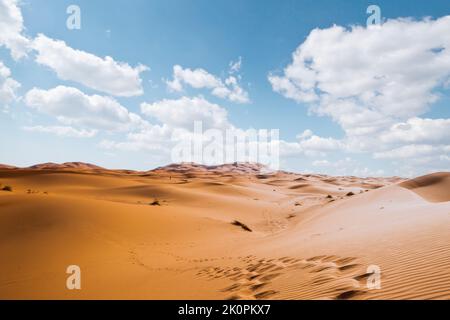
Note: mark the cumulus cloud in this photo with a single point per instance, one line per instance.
(316, 143)
(11, 26)
(102, 74)
(202, 79)
(375, 82)
(63, 131)
(198, 78)
(176, 123)
(418, 130)
(72, 107)
(8, 86)
(367, 78)
(310, 145)
(305, 134)
(231, 91)
(183, 112)
(152, 138)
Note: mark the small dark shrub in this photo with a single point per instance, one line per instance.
(240, 224)
(155, 203)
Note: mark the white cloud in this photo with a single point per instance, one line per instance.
(375, 83)
(235, 66)
(102, 74)
(418, 130)
(177, 118)
(310, 144)
(11, 26)
(8, 86)
(305, 134)
(288, 89)
(198, 78)
(202, 79)
(231, 91)
(316, 143)
(183, 112)
(369, 78)
(63, 131)
(72, 107)
(152, 138)
(413, 151)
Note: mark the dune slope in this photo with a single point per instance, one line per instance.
(433, 187)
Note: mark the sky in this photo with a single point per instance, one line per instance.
(121, 83)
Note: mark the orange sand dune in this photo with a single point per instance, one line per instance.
(224, 232)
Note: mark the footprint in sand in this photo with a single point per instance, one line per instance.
(251, 280)
(340, 273)
(338, 277)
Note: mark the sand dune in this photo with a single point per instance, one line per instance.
(66, 165)
(433, 187)
(391, 228)
(178, 232)
(5, 166)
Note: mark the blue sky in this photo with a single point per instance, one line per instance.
(209, 35)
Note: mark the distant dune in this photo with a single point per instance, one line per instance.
(66, 165)
(236, 231)
(5, 166)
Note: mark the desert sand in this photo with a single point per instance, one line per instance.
(187, 231)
